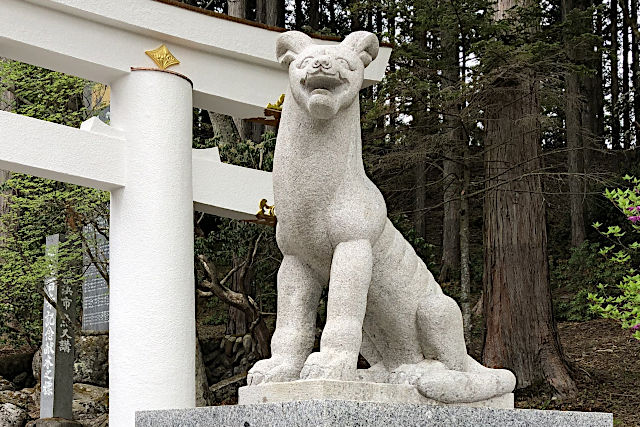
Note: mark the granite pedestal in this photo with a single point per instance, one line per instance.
(357, 391)
(338, 413)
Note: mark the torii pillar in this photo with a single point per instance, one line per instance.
(152, 298)
(145, 160)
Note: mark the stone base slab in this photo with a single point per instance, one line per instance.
(334, 413)
(357, 391)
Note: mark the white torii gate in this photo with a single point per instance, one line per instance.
(144, 158)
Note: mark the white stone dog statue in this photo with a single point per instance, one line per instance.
(332, 228)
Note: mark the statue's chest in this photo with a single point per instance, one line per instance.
(311, 176)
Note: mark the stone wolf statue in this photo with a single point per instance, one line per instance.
(333, 229)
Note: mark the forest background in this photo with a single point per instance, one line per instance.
(494, 137)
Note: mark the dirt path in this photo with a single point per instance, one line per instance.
(607, 363)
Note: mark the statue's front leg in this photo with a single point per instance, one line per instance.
(299, 289)
(346, 306)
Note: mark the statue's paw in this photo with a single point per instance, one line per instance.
(411, 373)
(330, 366)
(275, 369)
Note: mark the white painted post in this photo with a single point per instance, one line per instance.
(152, 302)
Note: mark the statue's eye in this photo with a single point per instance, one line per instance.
(344, 63)
(305, 62)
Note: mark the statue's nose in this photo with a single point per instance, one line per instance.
(323, 61)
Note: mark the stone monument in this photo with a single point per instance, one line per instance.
(95, 289)
(383, 302)
(58, 340)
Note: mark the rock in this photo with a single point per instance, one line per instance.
(12, 365)
(91, 364)
(20, 381)
(202, 385)
(228, 388)
(53, 422)
(235, 346)
(238, 356)
(228, 348)
(36, 364)
(20, 398)
(247, 341)
(217, 374)
(89, 402)
(209, 357)
(12, 415)
(101, 421)
(6, 385)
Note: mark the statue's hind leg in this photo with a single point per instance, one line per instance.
(440, 330)
(448, 374)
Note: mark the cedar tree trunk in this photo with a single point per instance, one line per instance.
(520, 330)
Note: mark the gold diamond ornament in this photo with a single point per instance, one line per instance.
(162, 57)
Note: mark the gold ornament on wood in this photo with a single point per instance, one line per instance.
(162, 57)
(266, 215)
(278, 105)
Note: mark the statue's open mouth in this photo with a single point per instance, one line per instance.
(322, 83)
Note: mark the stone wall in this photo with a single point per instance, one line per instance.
(228, 356)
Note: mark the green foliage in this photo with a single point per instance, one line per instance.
(37, 207)
(624, 304)
(218, 315)
(574, 278)
(229, 240)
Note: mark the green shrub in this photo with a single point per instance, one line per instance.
(573, 279)
(621, 301)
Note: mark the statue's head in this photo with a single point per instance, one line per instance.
(325, 79)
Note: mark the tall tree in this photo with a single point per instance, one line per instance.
(581, 120)
(615, 85)
(635, 67)
(626, 49)
(237, 8)
(452, 165)
(520, 331)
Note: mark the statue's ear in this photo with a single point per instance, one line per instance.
(289, 45)
(365, 44)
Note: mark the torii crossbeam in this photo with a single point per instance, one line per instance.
(144, 159)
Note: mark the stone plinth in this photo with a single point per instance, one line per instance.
(357, 391)
(332, 413)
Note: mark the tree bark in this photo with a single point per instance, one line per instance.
(635, 67)
(615, 85)
(452, 168)
(238, 322)
(267, 11)
(465, 237)
(521, 334)
(581, 120)
(298, 14)
(223, 127)
(239, 301)
(626, 112)
(314, 14)
(237, 8)
(420, 222)
(202, 384)
(520, 330)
